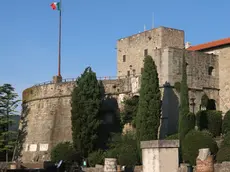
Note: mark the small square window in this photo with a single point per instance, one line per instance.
(124, 58)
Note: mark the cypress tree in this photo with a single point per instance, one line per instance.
(86, 102)
(184, 101)
(149, 106)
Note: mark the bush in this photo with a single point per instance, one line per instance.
(226, 141)
(172, 137)
(226, 123)
(64, 151)
(96, 157)
(124, 149)
(210, 120)
(188, 123)
(223, 154)
(194, 141)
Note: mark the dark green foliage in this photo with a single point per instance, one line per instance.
(64, 151)
(194, 141)
(226, 123)
(8, 104)
(86, 102)
(204, 100)
(226, 141)
(130, 111)
(177, 86)
(124, 148)
(187, 123)
(96, 157)
(149, 107)
(184, 102)
(210, 120)
(173, 137)
(223, 154)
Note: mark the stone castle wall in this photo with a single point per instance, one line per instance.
(223, 53)
(133, 47)
(47, 115)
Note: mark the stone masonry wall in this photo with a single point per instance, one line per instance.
(198, 78)
(48, 116)
(133, 47)
(224, 72)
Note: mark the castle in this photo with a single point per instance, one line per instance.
(46, 116)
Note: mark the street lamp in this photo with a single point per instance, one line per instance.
(193, 110)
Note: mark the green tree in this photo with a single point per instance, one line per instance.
(184, 101)
(149, 107)
(86, 102)
(130, 111)
(8, 104)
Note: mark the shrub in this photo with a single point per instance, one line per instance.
(226, 141)
(64, 151)
(210, 120)
(187, 123)
(172, 137)
(226, 123)
(194, 141)
(223, 154)
(124, 149)
(96, 157)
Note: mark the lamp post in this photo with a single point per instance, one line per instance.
(193, 110)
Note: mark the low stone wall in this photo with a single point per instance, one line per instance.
(101, 169)
(218, 167)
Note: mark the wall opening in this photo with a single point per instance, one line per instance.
(124, 58)
(145, 52)
(211, 104)
(211, 71)
(128, 73)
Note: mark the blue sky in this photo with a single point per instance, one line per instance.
(29, 33)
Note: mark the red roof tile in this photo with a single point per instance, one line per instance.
(210, 44)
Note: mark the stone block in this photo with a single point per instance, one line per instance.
(160, 155)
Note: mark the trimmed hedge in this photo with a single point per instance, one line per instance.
(188, 124)
(226, 123)
(194, 141)
(210, 120)
(226, 141)
(223, 154)
(96, 157)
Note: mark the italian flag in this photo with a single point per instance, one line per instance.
(56, 6)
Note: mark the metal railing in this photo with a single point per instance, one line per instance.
(99, 78)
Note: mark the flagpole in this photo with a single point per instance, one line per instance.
(59, 40)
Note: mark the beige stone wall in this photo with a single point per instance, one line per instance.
(224, 73)
(47, 115)
(133, 47)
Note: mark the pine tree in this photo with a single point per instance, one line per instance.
(184, 101)
(8, 105)
(149, 107)
(86, 102)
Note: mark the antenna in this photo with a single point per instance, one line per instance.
(152, 20)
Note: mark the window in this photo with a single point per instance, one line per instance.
(124, 58)
(134, 72)
(128, 73)
(142, 70)
(210, 71)
(145, 52)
